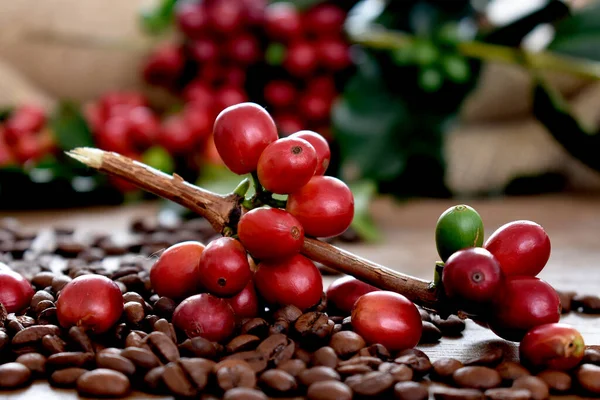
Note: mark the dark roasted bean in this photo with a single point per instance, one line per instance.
(133, 296)
(431, 333)
(4, 339)
(136, 339)
(14, 326)
(153, 379)
(103, 383)
(290, 313)
(234, 373)
(588, 304)
(36, 363)
(66, 378)
(162, 346)
(53, 344)
(370, 384)
(354, 369)
(424, 315)
(476, 377)
(134, 312)
(256, 359)
(80, 339)
(329, 390)
(317, 374)
(115, 362)
(41, 280)
(588, 376)
(242, 343)
(399, 372)
(13, 375)
(69, 359)
(42, 305)
(277, 348)
(347, 324)
(277, 381)
(510, 371)
(59, 282)
(313, 327)
(566, 299)
(34, 334)
(162, 325)
(198, 347)
(557, 381)
(293, 367)
(325, 356)
(450, 393)
(279, 326)
(489, 358)
(256, 326)
(176, 380)
(244, 394)
(444, 367)
(149, 321)
(302, 354)
(92, 254)
(198, 371)
(48, 317)
(142, 358)
(538, 388)
(507, 394)
(347, 343)
(591, 356)
(451, 326)
(416, 359)
(375, 350)
(164, 307)
(410, 391)
(372, 362)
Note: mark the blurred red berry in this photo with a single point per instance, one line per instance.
(210, 73)
(175, 135)
(203, 50)
(254, 12)
(93, 116)
(301, 59)
(114, 135)
(243, 48)
(323, 84)
(226, 16)
(112, 99)
(6, 156)
(199, 120)
(164, 66)
(210, 153)
(27, 148)
(280, 93)
(314, 106)
(234, 75)
(288, 123)
(324, 20)
(198, 92)
(282, 21)
(229, 96)
(191, 19)
(333, 54)
(144, 126)
(25, 120)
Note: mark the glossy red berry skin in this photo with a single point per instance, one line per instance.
(321, 147)
(301, 59)
(291, 281)
(324, 20)
(92, 302)
(521, 248)
(15, 291)
(286, 165)
(241, 133)
(245, 303)
(387, 318)
(472, 275)
(283, 22)
(175, 135)
(191, 19)
(205, 315)
(280, 93)
(175, 273)
(552, 346)
(522, 303)
(344, 291)
(269, 233)
(324, 206)
(224, 268)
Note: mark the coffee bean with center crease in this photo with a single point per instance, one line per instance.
(399, 372)
(256, 326)
(329, 390)
(450, 393)
(476, 377)
(162, 346)
(164, 326)
(372, 362)
(313, 328)
(70, 359)
(277, 382)
(591, 356)
(13, 375)
(244, 394)
(415, 359)
(66, 378)
(443, 368)
(489, 358)
(277, 349)
(410, 391)
(279, 326)
(42, 305)
(346, 343)
(141, 358)
(164, 307)
(317, 374)
(508, 394)
(375, 350)
(256, 359)
(39, 296)
(103, 383)
(176, 380)
(293, 367)
(198, 347)
(115, 362)
(197, 370)
(370, 384)
(538, 388)
(153, 380)
(430, 334)
(53, 344)
(588, 376)
(347, 324)
(451, 326)
(353, 369)
(290, 313)
(34, 334)
(325, 356)
(234, 373)
(36, 363)
(557, 381)
(59, 282)
(134, 312)
(242, 343)
(13, 326)
(80, 339)
(510, 371)
(48, 317)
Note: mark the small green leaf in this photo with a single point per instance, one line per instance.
(275, 54)
(364, 191)
(156, 20)
(431, 79)
(456, 68)
(219, 179)
(157, 157)
(70, 128)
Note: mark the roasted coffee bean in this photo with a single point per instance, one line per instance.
(416, 359)
(588, 376)
(431, 333)
(588, 304)
(242, 343)
(566, 299)
(162, 346)
(13, 375)
(3, 315)
(115, 362)
(110, 350)
(34, 334)
(53, 344)
(321, 306)
(317, 374)
(36, 363)
(80, 339)
(508, 394)
(256, 326)
(277, 349)
(347, 324)
(69, 248)
(372, 362)
(347, 343)
(122, 331)
(399, 372)
(354, 369)
(557, 381)
(290, 313)
(329, 390)
(451, 326)
(164, 307)
(4, 339)
(279, 326)
(313, 327)
(14, 326)
(66, 378)
(134, 312)
(336, 328)
(41, 280)
(48, 317)
(410, 391)
(591, 356)
(198, 347)
(162, 325)
(198, 371)
(476, 377)
(148, 322)
(538, 388)
(277, 381)
(443, 368)
(92, 254)
(59, 282)
(103, 383)
(133, 283)
(142, 358)
(25, 320)
(69, 359)
(234, 373)
(370, 384)
(293, 367)
(302, 354)
(325, 356)
(510, 371)
(489, 358)
(244, 394)
(450, 393)
(375, 350)
(153, 380)
(256, 359)
(133, 296)
(176, 380)
(424, 315)
(42, 305)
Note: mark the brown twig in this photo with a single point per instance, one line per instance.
(224, 211)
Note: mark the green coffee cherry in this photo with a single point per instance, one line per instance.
(458, 228)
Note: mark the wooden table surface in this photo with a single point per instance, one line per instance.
(573, 224)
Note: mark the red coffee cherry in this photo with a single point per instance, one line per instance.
(144, 126)
(228, 96)
(245, 303)
(241, 133)
(115, 136)
(198, 92)
(225, 16)
(224, 268)
(552, 346)
(294, 280)
(288, 123)
(521, 248)
(387, 318)
(191, 19)
(334, 54)
(314, 106)
(270, 233)
(344, 291)
(164, 66)
(522, 303)
(301, 59)
(15, 291)
(324, 20)
(199, 119)
(324, 206)
(175, 135)
(205, 315)
(233, 75)
(321, 147)
(243, 49)
(25, 120)
(92, 302)
(279, 93)
(472, 275)
(175, 273)
(203, 50)
(282, 22)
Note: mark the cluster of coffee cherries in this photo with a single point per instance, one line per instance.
(23, 137)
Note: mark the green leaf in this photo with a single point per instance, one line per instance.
(364, 191)
(5, 113)
(157, 157)
(275, 54)
(156, 20)
(70, 128)
(552, 111)
(219, 179)
(579, 34)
